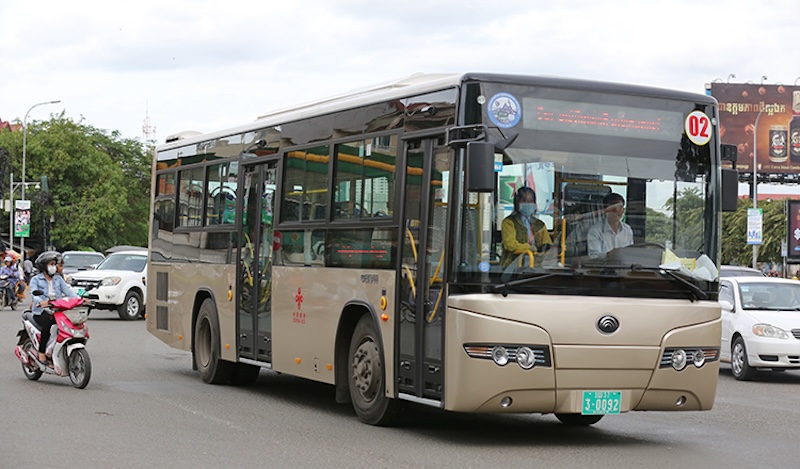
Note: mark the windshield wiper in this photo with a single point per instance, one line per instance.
(697, 293)
(694, 292)
(502, 288)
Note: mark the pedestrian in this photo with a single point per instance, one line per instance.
(27, 268)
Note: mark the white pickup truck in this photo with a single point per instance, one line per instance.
(118, 283)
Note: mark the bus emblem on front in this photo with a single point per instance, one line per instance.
(608, 324)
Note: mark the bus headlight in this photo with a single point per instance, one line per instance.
(525, 358)
(699, 358)
(500, 355)
(679, 359)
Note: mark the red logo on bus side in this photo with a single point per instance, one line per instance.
(299, 298)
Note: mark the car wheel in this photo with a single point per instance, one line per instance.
(740, 368)
(131, 308)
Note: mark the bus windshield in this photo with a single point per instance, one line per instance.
(603, 189)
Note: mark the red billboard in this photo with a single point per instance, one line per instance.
(776, 138)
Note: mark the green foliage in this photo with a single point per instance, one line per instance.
(99, 184)
(735, 249)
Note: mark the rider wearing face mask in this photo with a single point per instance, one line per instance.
(53, 287)
(522, 231)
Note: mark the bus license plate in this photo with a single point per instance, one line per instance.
(601, 402)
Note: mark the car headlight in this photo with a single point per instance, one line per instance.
(768, 330)
(110, 281)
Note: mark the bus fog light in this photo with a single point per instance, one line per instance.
(699, 358)
(500, 355)
(525, 358)
(679, 360)
(506, 402)
(681, 401)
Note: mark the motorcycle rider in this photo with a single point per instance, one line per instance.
(53, 287)
(12, 272)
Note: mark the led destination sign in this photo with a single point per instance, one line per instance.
(601, 119)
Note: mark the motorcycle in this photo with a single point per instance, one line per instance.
(67, 344)
(7, 299)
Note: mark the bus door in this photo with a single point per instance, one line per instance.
(255, 262)
(422, 271)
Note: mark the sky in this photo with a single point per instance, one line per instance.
(210, 65)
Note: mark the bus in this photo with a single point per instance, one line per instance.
(358, 241)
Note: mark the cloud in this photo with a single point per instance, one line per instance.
(207, 65)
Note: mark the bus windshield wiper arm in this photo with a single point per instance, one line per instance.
(697, 292)
(502, 288)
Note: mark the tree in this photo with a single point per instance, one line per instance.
(735, 249)
(99, 184)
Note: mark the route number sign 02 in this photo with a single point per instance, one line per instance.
(698, 128)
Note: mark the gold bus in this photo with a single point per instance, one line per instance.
(358, 241)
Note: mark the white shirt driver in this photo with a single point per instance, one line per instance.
(601, 238)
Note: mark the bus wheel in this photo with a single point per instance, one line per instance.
(578, 419)
(365, 377)
(212, 369)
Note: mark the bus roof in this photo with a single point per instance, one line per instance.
(416, 84)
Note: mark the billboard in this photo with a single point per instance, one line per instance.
(793, 230)
(777, 137)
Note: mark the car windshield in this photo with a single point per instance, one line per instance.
(740, 272)
(131, 262)
(81, 260)
(771, 296)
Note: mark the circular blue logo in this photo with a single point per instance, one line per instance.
(504, 110)
(483, 266)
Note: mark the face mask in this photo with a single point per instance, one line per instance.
(527, 209)
(51, 269)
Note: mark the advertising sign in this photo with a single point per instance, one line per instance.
(22, 218)
(777, 138)
(793, 230)
(754, 226)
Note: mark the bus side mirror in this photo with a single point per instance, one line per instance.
(480, 167)
(730, 190)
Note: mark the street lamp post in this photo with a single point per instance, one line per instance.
(755, 182)
(24, 146)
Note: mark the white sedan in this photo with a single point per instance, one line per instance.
(760, 324)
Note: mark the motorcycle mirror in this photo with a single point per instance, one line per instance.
(37, 293)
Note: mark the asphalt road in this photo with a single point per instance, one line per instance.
(145, 407)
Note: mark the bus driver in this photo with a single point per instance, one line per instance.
(610, 232)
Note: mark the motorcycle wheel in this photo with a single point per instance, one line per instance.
(31, 370)
(80, 368)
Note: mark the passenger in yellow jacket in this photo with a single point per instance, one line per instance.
(522, 231)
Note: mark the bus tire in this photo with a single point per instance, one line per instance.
(244, 374)
(578, 419)
(206, 353)
(365, 374)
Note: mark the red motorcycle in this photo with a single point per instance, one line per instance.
(67, 344)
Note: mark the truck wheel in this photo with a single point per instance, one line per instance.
(131, 308)
(206, 349)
